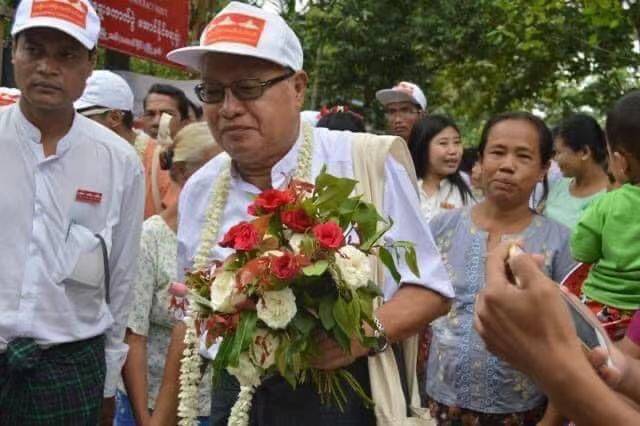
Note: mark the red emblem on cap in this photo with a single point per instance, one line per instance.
(73, 11)
(88, 196)
(234, 28)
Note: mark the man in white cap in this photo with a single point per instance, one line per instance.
(108, 100)
(71, 212)
(403, 105)
(253, 88)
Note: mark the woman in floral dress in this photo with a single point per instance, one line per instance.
(467, 385)
(150, 321)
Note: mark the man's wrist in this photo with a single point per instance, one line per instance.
(380, 335)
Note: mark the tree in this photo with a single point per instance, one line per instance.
(474, 58)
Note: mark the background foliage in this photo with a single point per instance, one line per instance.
(473, 58)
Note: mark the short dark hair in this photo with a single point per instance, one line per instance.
(623, 124)
(469, 158)
(127, 119)
(197, 110)
(580, 131)
(173, 92)
(342, 121)
(423, 132)
(545, 139)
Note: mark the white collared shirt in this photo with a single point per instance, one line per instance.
(333, 149)
(52, 285)
(447, 198)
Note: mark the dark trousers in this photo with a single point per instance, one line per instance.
(62, 385)
(275, 403)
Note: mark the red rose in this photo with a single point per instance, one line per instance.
(329, 235)
(268, 201)
(297, 220)
(286, 266)
(243, 236)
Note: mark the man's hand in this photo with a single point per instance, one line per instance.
(331, 356)
(108, 411)
(529, 325)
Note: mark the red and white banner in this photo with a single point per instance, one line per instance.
(147, 29)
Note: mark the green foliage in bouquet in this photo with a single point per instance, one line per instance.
(301, 269)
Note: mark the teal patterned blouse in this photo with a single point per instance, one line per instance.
(460, 371)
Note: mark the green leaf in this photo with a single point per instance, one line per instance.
(341, 339)
(332, 191)
(221, 361)
(315, 269)
(366, 246)
(366, 305)
(242, 337)
(409, 255)
(347, 316)
(349, 206)
(387, 260)
(326, 312)
(304, 323)
(371, 289)
(366, 216)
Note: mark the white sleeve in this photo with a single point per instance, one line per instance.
(122, 266)
(401, 203)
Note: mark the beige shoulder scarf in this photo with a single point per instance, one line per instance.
(369, 153)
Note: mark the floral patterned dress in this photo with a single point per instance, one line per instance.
(149, 316)
(466, 384)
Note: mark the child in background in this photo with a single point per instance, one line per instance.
(608, 234)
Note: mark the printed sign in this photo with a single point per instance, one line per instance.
(147, 29)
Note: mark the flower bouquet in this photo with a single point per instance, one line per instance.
(300, 268)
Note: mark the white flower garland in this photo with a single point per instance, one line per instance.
(189, 376)
(190, 368)
(240, 411)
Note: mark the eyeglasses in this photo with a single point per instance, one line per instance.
(402, 112)
(245, 90)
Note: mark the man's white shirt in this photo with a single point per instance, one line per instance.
(333, 149)
(52, 283)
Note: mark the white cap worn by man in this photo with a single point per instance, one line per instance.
(108, 100)
(403, 105)
(72, 211)
(253, 89)
(105, 91)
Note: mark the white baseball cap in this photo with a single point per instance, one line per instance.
(241, 29)
(403, 92)
(9, 95)
(106, 90)
(76, 18)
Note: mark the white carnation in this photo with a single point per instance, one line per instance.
(354, 267)
(246, 372)
(263, 348)
(277, 308)
(295, 242)
(224, 295)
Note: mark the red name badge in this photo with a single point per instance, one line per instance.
(85, 196)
